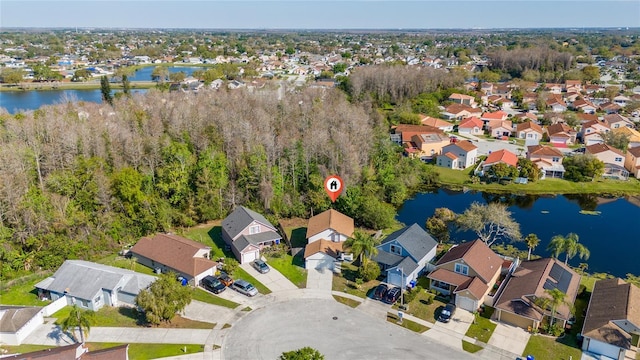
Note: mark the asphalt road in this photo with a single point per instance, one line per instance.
(269, 331)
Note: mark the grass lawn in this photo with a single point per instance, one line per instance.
(210, 234)
(472, 348)
(407, 324)
(547, 348)
(23, 292)
(289, 266)
(241, 274)
(24, 348)
(345, 282)
(151, 351)
(128, 317)
(295, 230)
(349, 302)
(420, 308)
(482, 329)
(588, 281)
(130, 264)
(201, 295)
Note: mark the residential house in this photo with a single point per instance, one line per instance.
(591, 132)
(496, 115)
(458, 155)
(516, 304)
(467, 272)
(556, 103)
(612, 158)
(615, 121)
(436, 123)
(404, 254)
(487, 88)
(529, 100)
(322, 254)
(247, 233)
(530, 132)
(554, 88)
(527, 116)
(584, 118)
(92, 286)
(561, 135)
(500, 128)
(573, 85)
(592, 88)
(632, 134)
(610, 108)
(463, 99)
(428, 146)
(503, 91)
(585, 106)
(621, 100)
(18, 322)
(571, 97)
(501, 156)
(330, 225)
(404, 132)
(471, 126)
(460, 111)
(612, 323)
(548, 159)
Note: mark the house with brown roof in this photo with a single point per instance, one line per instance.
(458, 155)
(530, 132)
(584, 118)
(496, 115)
(463, 99)
(612, 323)
(407, 131)
(322, 254)
(428, 146)
(168, 252)
(610, 108)
(501, 156)
(591, 132)
(247, 233)
(585, 106)
(573, 85)
(556, 103)
(612, 158)
(467, 272)
(500, 128)
(330, 225)
(615, 121)
(516, 304)
(632, 161)
(436, 123)
(548, 159)
(632, 134)
(561, 135)
(471, 125)
(460, 111)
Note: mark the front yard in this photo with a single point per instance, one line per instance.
(22, 291)
(206, 297)
(425, 305)
(346, 282)
(407, 324)
(550, 348)
(128, 317)
(289, 266)
(482, 328)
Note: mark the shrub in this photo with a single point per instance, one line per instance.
(410, 295)
(369, 271)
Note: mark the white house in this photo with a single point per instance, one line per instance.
(458, 155)
(330, 225)
(18, 322)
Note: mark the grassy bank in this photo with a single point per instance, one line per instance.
(91, 85)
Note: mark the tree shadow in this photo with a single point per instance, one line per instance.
(298, 237)
(61, 337)
(133, 314)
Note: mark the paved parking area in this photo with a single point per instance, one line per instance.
(509, 338)
(319, 279)
(375, 308)
(451, 333)
(273, 280)
(235, 296)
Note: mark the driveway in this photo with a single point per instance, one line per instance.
(451, 333)
(201, 311)
(235, 296)
(320, 280)
(337, 331)
(486, 146)
(273, 280)
(510, 338)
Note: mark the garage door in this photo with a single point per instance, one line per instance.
(249, 257)
(603, 349)
(325, 263)
(515, 320)
(466, 303)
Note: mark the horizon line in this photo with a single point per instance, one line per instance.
(70, 27)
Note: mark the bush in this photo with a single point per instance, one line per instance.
(230, 265)
(410, 295)
(369, 271)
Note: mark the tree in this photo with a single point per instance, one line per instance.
(532, 241)
(617, 140)
(81, 75)
(363, 246)
(305, 353)
(105, 89)
(591, 73)
(160, 74)
(582, 167)
(569, 245)
(502, 170)
(490, 222)
(438, 224)
(551, 302)
(369, 270)
(126, 84)
(163, 299)
(12, 76)
(178, 76)
(78, 319)
(528, 169)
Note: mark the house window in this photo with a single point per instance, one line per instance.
(618, 159)
(254, 229)
(396, 249)
(84, 303)
(97, 300)
(555, 159)
(439, 284)
(462, 269)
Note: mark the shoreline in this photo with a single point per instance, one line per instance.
(73, 86)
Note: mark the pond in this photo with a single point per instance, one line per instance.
(608, 227)
(16, 101)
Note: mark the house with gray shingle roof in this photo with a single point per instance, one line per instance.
(248, 232)
(18, 322)
(92, 286)
(404, 254)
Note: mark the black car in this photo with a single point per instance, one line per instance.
(380, 292)
(212, 284)
(447, 313)
(392, 295)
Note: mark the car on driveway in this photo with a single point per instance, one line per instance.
(225, 278)
(212, 284)
(244, 287)
(261, 266)
(392, 295)
(447, 313)
(380, 292)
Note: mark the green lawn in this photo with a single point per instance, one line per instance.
(345, 282)
(545, 348)
(290, 267)
(130, 264)
(407, 324)
(483, 328)
(151, 351)
(206, 297)
(128, 317)
(296, 231)
(24, 348)
(420, 308)
(241, 274)
(344, 300)
(472, 348)
(23, 292)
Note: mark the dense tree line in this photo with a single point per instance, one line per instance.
(518, 60)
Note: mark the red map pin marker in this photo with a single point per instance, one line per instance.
(333, 186)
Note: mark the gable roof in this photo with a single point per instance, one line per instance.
(633, 134)
(417, 242)
(612, 299)
(84, 279)
(75, 352)
(504, 156)
(408, 131)
(477, 255)
(497, 115)
(330, 248)
(559, 128)
(635, 151)
(330, 219)
(461, 97)
(456, 109)
(119, 352)
(13, 318)
(600, 148)
(465, 145)
(529, 125)
(175, 252)
(471, 122)
(437, 123)
(240, 218)
(543, 150)
(530, 280)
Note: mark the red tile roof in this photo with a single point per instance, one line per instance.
(471, 122)
(543, 150)
(504, 156)
(529, 125)
(498, 115)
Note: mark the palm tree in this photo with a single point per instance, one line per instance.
(80, 319)
(557, 245)
(363, 246)
(573, 248)
(552, 302)
(532, 241)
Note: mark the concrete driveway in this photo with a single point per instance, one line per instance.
(273, 280)
(337, 331)
(451, 333)
(319, 280)
(509, 338)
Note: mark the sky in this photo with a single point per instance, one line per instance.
(314, 14)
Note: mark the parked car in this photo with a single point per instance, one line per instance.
(244, 287)
(212, 284)
(447, 313)
(225, 278)
(380, 292)
(392, 295)
(261, 266)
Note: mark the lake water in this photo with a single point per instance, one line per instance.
(144, 74)
(15, 101)
(613, 236)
